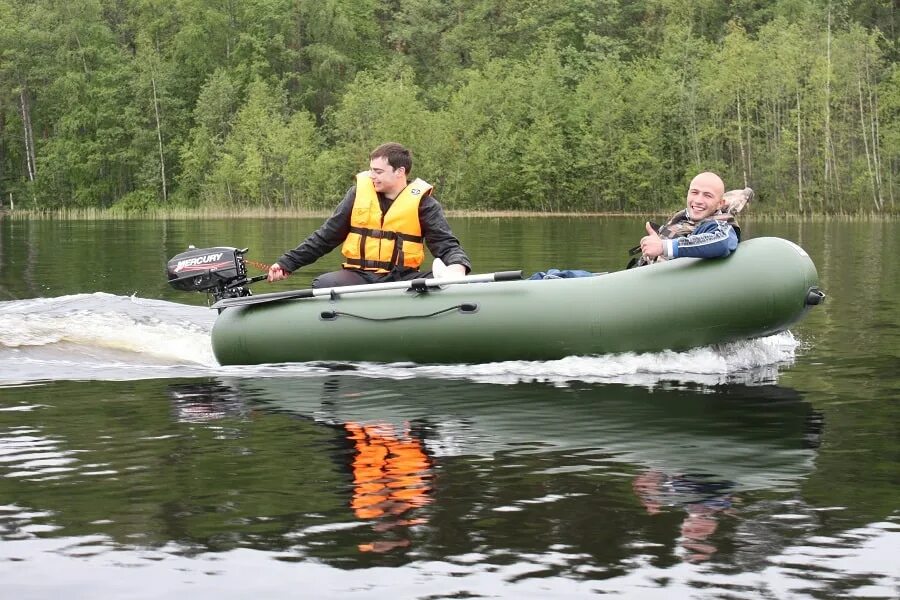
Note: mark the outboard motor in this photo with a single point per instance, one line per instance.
(220, 271)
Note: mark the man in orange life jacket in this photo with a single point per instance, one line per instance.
(384, 223)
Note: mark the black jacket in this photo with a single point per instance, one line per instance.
(438, 237)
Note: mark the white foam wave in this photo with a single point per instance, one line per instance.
(102, 336)
(749, 361)
(92, 332)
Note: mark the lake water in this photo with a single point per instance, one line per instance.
(133, 466)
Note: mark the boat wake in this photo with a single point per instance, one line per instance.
(749, 362)
(106, 337)
(102, 337)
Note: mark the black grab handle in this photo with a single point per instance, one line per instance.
(507, 275)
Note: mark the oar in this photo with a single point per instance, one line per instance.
(419, 285)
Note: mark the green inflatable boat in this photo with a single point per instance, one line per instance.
(761, 289)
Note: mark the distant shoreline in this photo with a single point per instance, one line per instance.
(93, 214)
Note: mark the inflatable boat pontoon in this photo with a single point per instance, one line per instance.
(764, 287)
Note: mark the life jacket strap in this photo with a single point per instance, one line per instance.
(386, 235)
(362, 263)
(397, 256)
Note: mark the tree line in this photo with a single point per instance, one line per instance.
(583, 105)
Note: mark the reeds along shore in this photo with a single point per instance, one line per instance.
(163, 214)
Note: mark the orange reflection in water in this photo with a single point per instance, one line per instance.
(391, 477)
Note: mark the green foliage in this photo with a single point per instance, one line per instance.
(139, 201)
(588, 105)
(376, 109)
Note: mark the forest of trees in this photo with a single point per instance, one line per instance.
(576, 105)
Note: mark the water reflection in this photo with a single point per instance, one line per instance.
(203, 401)
(354, 471)
(702, 500)
(683, 455)
(388, 465)
(391, 478)
(761, 436)
(391, 472)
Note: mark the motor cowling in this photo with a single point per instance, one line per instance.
(220, 271)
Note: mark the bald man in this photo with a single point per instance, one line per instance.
(702, 230)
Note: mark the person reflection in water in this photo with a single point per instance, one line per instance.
(703, 500)
(391, 478)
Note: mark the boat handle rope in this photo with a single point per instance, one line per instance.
(257, 264)
(465, 308)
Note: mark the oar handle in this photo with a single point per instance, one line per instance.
(507, 275)
(416, 284)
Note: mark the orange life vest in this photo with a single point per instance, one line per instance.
(379, 242)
